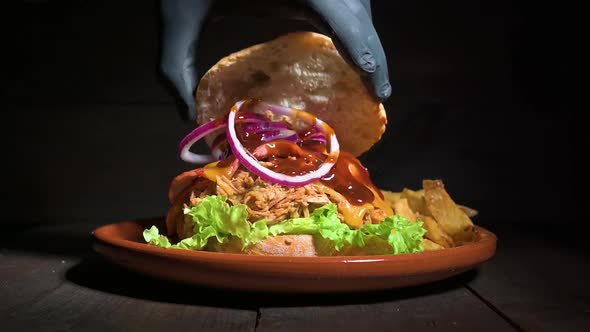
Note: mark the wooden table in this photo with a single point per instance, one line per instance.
(51, 281)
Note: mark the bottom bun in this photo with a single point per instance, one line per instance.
(300, 245)
(280, 245)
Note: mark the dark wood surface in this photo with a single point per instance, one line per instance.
(92, 129)
(51, 281)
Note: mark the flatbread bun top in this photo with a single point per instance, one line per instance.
(301, 70)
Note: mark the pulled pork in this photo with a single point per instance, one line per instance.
(271, 201)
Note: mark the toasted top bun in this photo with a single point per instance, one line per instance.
(301, 70)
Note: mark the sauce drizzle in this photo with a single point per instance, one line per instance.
(347, 177)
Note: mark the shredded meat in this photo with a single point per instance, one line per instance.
(203, 187)
(271, 201)
(196, 199)
(275, 202)
(376, 216)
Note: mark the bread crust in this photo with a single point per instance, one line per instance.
(301, 70)
(301, 245)
(280, 245)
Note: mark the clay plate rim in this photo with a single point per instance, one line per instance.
(121, 235)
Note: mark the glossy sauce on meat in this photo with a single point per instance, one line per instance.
(347, 183)
(348, 176)
(351, 179)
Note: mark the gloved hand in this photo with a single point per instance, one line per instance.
(348, 22)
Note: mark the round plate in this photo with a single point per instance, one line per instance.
(122, 243)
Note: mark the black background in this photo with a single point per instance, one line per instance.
(482, 98)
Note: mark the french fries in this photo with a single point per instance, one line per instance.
(447, 224)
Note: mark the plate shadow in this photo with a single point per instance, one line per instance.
(97, 273)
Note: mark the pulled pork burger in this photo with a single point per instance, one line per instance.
(285, 121)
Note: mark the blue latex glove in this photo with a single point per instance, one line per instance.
(348, 22)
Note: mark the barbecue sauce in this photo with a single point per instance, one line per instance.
(223, 167)
(347, 178)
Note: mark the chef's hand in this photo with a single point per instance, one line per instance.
(348, 22)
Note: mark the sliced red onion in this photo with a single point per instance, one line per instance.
(252, 164)
(219, 148)
(249, 117)
(197, 134)
(286, 134)
(321, 140)
(193, 137)
(264, 126)
(317, 137)
(220, 151)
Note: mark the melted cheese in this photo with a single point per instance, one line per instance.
(382, 204)
(211, 171)
(353, 214)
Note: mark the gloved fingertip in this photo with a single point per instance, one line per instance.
(384, 91)
(367, 62)
(191, 113)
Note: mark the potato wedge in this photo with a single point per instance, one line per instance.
(391, 197)
(416, 201)
(431, 246)
(448, 215)
(435, 233)
(468, 211)
(402, 208)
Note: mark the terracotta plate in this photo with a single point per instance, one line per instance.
(122, 243)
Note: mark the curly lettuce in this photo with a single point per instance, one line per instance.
(214, 219)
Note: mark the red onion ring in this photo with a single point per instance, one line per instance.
(193, 137)
(216, 147)
(317, 137)
(220, 149)
(265, 126)
(252, 164)
(286, 134)
(198, 133)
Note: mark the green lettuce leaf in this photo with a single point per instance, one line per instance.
(403, 235)
(323, 221)
(152, 236)
(215, 218)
